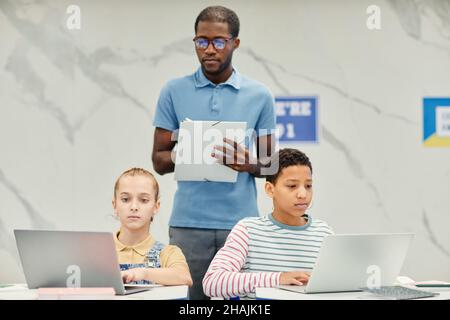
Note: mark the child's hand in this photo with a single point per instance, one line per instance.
(136, 274)
(295, 277)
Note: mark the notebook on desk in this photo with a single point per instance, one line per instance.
(352, 262)
(71, 258)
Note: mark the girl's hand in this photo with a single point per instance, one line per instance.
(135, 274)
(295, 277)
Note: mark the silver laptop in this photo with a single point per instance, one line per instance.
(70, 259)
(355, 261)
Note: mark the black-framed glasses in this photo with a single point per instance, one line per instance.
(218, 43)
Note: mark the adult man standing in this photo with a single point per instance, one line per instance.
(204, 212)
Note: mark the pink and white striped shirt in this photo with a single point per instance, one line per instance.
(257, 250)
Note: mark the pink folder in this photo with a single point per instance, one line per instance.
(76, 293)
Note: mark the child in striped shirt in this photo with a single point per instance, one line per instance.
(277, 249)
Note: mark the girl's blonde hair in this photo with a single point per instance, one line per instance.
(137, 172)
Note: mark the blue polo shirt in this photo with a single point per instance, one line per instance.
(215, 205)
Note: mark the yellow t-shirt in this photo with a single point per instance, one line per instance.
(170, 255)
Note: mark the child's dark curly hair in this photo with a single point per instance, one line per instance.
(287, 157)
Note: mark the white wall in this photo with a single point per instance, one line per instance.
(77, 107)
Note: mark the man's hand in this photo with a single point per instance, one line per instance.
(235, 156)
(135, 274)
(295, 277)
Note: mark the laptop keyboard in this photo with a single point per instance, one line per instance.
(400, 293)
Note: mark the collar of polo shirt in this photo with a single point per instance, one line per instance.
(202, 81)
(141, 248)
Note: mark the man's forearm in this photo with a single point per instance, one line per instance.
(162, 162)
(255, 169)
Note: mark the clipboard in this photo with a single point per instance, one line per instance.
(196, 140)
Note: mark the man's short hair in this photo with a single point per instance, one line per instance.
(220, 14)
(285, 158)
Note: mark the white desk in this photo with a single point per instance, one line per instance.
(279, 294)
(21, 292)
